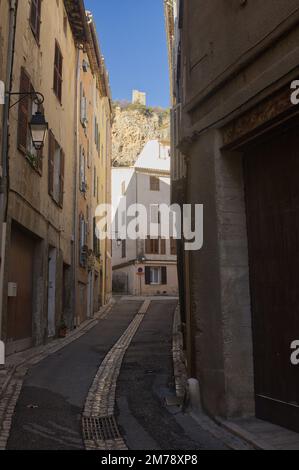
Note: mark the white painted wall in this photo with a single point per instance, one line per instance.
(154, 160)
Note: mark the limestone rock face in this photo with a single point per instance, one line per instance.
(134, 126)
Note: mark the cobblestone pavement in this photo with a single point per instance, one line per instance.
(100, 402)
(50, 404)
(17, 366)
(148, 413)
(115, 387)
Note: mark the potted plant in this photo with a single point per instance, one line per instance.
(62, 329)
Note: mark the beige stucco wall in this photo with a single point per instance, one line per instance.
(39, 62)
(29, 202)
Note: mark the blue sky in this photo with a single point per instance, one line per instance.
(133, 41)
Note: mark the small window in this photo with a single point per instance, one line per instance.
(83, 107)
(155, 275)
(123, 188)
(154, 183)
(83, 185)
(35, 18)
(85, 66)
(58, 61)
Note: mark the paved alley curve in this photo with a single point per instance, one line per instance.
(48, 414)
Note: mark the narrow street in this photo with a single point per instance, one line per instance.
(49, 410)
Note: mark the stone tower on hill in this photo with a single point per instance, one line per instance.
(139, 97)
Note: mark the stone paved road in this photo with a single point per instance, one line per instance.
(48, 413)
(58, 387)
(146, 379)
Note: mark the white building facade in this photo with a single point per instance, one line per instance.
(145, 265)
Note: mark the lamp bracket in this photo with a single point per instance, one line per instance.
(38, 98)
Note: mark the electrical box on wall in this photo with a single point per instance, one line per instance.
(12, 289)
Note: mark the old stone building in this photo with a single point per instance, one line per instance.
(93, 282)
(235, 127)
(54, 44)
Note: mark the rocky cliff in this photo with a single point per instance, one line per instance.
(134, 125)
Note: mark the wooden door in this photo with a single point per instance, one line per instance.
(271, 173)
(19, 311)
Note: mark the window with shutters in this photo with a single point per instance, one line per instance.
(56, 170)
(155, 275)
(27, 108)
(155, 246)
(58, 61)
(82, 241)
(35, 18)
(154, 183)
(83, 107)
(83, 185)
(96, 239)
(152, 246)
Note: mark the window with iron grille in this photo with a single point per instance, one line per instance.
(35, 18)
(58, 61)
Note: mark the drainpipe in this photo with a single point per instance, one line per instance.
(5, 146)
(75, 215)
